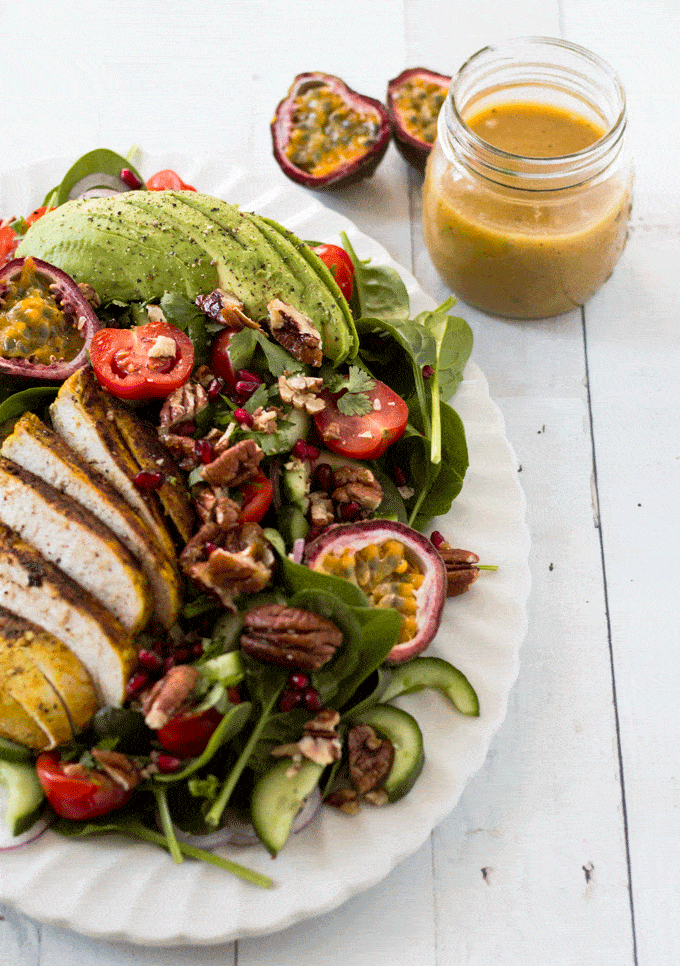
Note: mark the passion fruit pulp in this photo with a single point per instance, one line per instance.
(326, 135)
(414, 100)
(46, 323)
(396, 567)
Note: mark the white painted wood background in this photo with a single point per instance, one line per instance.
(564, 849)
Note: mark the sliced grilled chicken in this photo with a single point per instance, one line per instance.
(85, 417)
(42, 452)
(73, 539)
(33, 588)
(17, 725)
(36, 669)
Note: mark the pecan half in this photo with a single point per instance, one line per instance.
(168, 695)
(290, 637)
(461, 571)
(183, 404)
(227, 309)
(294, 331)
(234, 465)
(213, 505)
(356, 484)
(120, 769)
(370, 758)
(228, 561)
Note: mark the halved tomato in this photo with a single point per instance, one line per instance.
(167, 180)
(257, 497)
(186, 735)
(363, 437)
(340, 264)
(145, 362)
(78, 797)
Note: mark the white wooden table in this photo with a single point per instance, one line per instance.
(565, 848)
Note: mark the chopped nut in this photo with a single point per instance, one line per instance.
(228, 561)
(168, 695)
(183, 450)
(183, 405)
(121, 769)
(155, 313)
(356, 484)
(234, 465)
(264, 420)
(345, 799)
(213, 505)
(295, 332)
(461, 572)
(300, 392)
(370, 758)
(319, 743)
(321, 509)
(225, 308)
(289, 637)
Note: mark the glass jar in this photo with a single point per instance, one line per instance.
(528, 187)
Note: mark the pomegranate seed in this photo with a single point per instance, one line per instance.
(215, 388)
(210, 547)
(204, 451)
(428, 372)
(300, 449)
(149, 480)
(312, 700)
(299, 680)
(186, 428)
(313, 452)
(150, 661)
(246, 376)
(350, 511)
(399, 476)
(242, 416)
(167, 764)
(137, 683)
(289, 700)
(245, 388)
(323, 475)
(437, 539)
(130, 179)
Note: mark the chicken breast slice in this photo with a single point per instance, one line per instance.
(33, 588)
(73, 539)
(35, 447)
(17, 725)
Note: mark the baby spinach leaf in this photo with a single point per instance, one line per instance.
(299, 577)
(379, 289)
(25, 401)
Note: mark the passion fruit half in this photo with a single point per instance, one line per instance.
(325, 135)
(414, 100)
(46, 323)
(396, 567)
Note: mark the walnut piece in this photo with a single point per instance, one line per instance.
(289, 637)
(228, 561)
(295, 332)
(319, 743)
(227, 309)
(300, 392)
(168, 695)
(264, 420)
(183, 405)
(461, 572)
(321, 509)
(234, 465)
(370, 758)
(213, 505)
(120, 769)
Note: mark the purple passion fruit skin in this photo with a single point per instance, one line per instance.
(325, 135)
(396, 567)
(46, 323)
(414, 100)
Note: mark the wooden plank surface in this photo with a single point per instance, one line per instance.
(565, 847)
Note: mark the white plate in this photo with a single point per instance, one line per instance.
(117, 889)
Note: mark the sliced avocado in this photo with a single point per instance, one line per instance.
(25, 795)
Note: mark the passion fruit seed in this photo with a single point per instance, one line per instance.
(325, 134)
(386, 575)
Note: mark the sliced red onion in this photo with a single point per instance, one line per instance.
(298, 549)
(9, 842)
(235, 831)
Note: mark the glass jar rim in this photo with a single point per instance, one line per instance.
(497, 164)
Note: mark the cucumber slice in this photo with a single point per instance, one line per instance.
(434, 672)
(11, 751)
(25, 795)
(278, 797)
(404, 732)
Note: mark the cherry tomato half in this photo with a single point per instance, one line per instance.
(186, 735)
(363, 437)
(78, 797)
(340, 265)
(220, 361)
(167, 180)
(36, 214)
(257, 497)
(8, 243)
(126, 365)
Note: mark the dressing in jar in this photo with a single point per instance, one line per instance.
(527, 190)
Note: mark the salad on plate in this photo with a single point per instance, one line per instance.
(222, 450)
